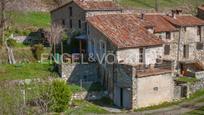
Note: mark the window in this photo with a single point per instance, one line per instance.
(166, 49)
(184, 29)
(141, 53)
(87, 28)
(70, 23)
(199, 31)
(186, 51)
(70, 11)
(63, 22)
(168, 35)
(155, 88)
(79, 23)
(199, 46)
(160, 36)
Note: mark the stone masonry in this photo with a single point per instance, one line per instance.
(74, 73)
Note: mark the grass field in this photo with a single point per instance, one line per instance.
(84, 107)
(162, 3)
(31, 19)
(25, 71)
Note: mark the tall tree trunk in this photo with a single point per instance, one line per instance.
(2, 10)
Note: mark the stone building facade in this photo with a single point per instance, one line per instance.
(183, 37)
(179, 35)
(132, 91)
(189, 39)
(73, 14)
(127, 88)
(131, 57)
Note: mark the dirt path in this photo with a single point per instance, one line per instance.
(173, 110)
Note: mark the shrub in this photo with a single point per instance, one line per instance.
(60, 96)
(11, 43)
(38, 49)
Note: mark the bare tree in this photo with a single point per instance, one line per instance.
(55, 36)
(189, 7)
(2, 19)
(58, 2)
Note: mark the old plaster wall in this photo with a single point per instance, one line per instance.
(152, 90)
(131, 56)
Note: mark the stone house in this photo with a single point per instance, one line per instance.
(188, 43)
(180, 32)
(135, 47)
(72, 16)
(135, 55)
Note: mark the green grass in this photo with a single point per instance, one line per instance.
(75, 88)
(25, 71)
(96, 87)
(163, 105)
(186, 79)
(151, 3)
(83, 107)
(197, 94)
(31, 19)
(199, 111)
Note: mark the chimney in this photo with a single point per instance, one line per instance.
(175, 13)
(142, 16)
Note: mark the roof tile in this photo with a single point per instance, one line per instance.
(185, 21)
(97, 5)
(125, 30)
(161, 25)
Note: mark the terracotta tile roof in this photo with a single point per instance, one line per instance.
(184, 21)
(93, 5)
(161, 25)
(124, 30)
(97, 5)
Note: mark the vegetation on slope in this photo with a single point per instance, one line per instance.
(25, 71)
(31, 19)
(162, 3)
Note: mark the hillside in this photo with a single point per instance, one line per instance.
(33, 17)
(162, 3)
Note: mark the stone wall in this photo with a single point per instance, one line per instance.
(188, 37)
(63, 14)
(74, 73)
(131, 56)
(196, 86)
(89, 95)
(199, 75)
(185, 89)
